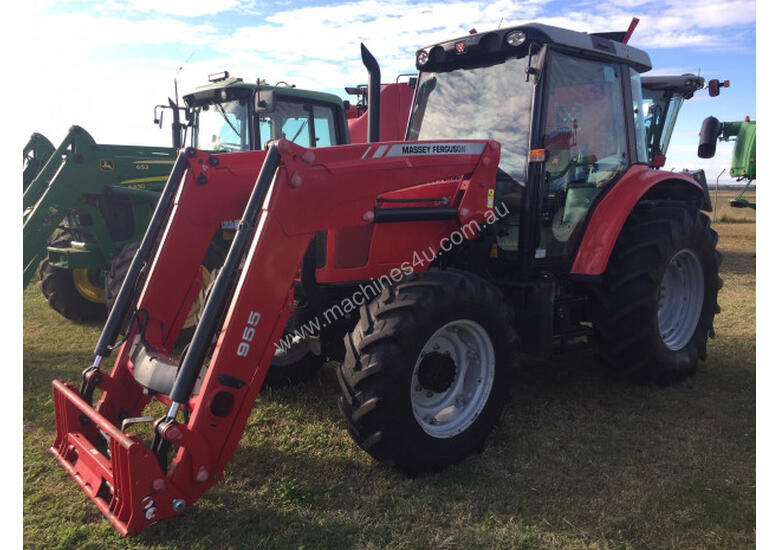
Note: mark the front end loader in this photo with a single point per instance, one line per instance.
(522, 202)
(298, 193)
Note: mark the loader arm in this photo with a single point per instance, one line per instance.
(423, 190)
(78, 169)
(36, 152)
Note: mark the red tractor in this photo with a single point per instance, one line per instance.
(521, 203)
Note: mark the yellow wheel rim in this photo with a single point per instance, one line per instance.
(87, 288)
(200, 300)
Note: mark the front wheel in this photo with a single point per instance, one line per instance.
(660, 294)
(73, 293)
(424, 379)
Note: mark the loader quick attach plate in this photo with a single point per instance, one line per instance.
(124, 479)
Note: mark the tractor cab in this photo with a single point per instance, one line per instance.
(662, 97)
(565, 107)
(230, 115)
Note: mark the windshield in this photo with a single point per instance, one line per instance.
(223, 127)
(491, 102)
(659, 124)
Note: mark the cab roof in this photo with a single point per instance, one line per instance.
(493, 44)
(236, 88)
(684, 84)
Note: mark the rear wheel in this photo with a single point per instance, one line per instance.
(73, 293)
(424, 379)
(661, 288)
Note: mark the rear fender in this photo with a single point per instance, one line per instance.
(611, 213)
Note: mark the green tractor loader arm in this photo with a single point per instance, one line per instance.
(36, 152)
(81, 175)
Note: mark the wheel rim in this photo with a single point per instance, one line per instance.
(86, 287)
(200, 301)
(681, 299)
(452, 379)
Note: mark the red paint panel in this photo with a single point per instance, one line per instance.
(395, 103)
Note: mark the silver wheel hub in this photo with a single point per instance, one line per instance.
(681, 299)
(452, 379)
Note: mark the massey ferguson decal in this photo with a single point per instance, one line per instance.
(414, 149)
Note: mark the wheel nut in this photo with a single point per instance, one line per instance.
(178, 504)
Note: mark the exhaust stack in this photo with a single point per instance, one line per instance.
(374, 78)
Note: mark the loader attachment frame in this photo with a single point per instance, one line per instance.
(405, 197)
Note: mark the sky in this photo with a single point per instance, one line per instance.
(104, 65)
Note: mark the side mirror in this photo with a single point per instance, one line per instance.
(158, 115)
(714, 86)
(265, 102)
(708, 137)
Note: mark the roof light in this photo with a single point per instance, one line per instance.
(515, 38)
(216, 77)
(422, 57)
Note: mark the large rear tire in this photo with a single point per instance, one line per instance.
(424, 379)
(73, 293)
(660, 294)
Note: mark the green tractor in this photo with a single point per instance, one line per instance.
(86, 205)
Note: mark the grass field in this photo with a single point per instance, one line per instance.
(723, 212)
(577, 462)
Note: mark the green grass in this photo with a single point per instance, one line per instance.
(577, 462)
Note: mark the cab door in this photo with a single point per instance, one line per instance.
(584, 129)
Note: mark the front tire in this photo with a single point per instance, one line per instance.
(659, 294)
(424, 379)
(71, 292)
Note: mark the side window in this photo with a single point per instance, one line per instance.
(297, 130)
(585, 142)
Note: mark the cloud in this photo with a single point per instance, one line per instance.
(181, 8)
(89, 33)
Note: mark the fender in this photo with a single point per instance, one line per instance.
(612, 211)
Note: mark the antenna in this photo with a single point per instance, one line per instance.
(175, 83)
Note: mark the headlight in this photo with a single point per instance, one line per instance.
(422, 57)
(515, 38)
